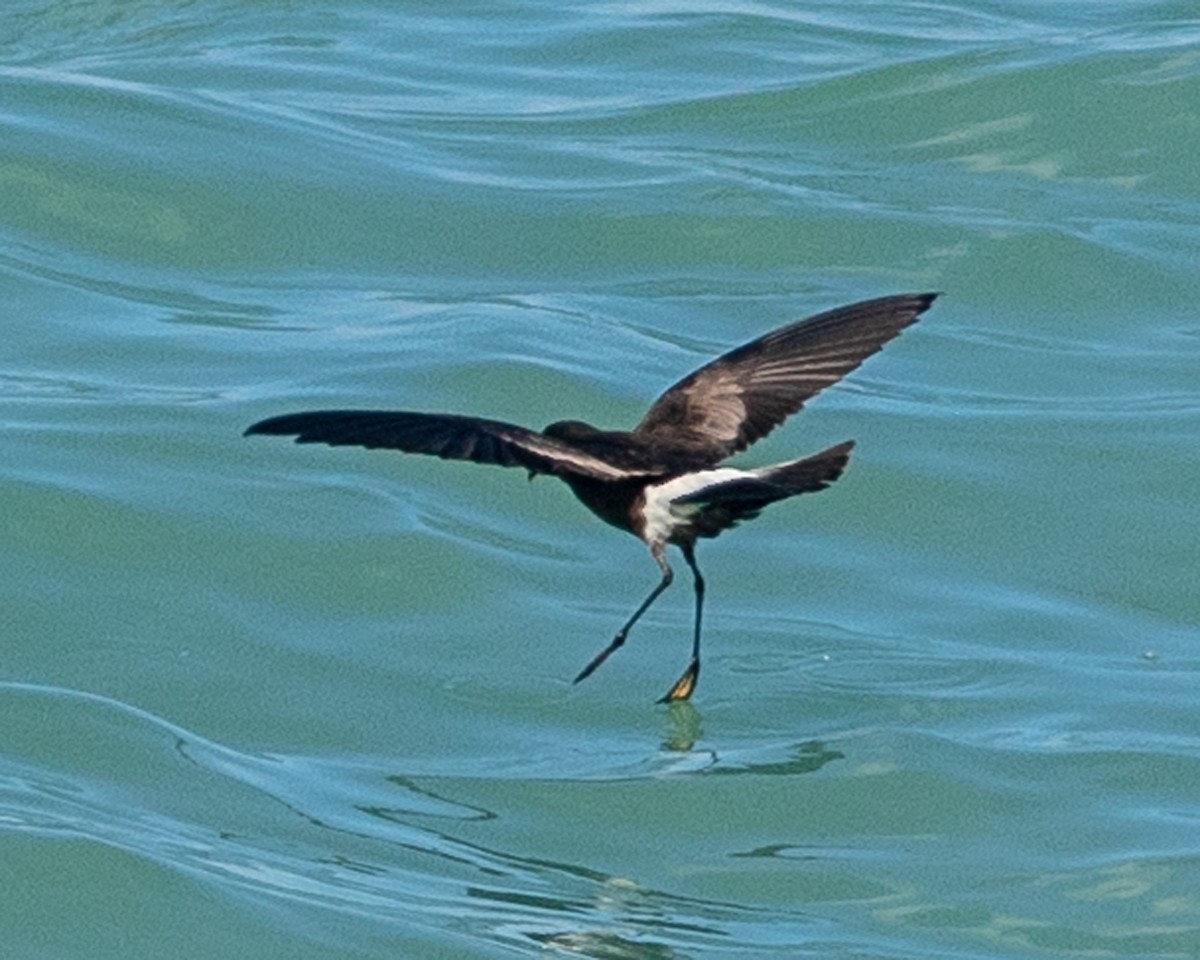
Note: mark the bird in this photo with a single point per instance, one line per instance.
(665, 481)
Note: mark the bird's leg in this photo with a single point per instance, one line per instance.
(685, 686)
(617, 641)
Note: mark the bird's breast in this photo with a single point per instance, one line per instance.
(614, 501)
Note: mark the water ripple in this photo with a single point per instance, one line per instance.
(325, 835)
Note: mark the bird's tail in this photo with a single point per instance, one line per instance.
(810, 474)
(723, 505)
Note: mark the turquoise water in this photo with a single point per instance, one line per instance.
(267, 700)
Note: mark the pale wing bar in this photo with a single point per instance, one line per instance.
(448, 436)
(741, 396)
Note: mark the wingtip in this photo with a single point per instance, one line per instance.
(911, 306)
(262, 426)
(281, 426)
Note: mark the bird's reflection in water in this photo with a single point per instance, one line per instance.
(683, 727)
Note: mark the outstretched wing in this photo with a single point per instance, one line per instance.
(442, 435)
(743, 395)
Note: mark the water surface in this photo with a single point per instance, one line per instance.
(262, 700)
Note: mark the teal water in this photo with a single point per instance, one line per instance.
(266, 700)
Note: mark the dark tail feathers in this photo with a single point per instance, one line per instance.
(812, 473)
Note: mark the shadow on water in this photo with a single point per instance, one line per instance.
(684, 730)
(808, 757)
(607, 946)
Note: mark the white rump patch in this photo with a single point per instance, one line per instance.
(664, 517)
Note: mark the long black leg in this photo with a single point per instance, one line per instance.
(667, 576)
(685, 686)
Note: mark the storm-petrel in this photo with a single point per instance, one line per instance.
(661, 481)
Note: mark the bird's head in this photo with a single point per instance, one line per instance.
(570, 430)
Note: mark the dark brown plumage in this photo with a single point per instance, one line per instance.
(661, 481)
